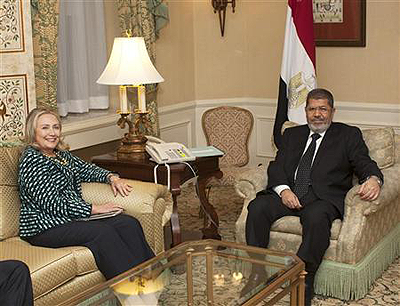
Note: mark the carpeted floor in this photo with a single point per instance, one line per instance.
(385, 291)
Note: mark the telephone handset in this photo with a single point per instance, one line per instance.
(165, 153)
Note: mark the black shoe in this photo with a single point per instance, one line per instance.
(255, 279)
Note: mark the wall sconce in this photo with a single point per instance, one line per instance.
(220, 7)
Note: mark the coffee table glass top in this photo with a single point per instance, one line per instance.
(205, 272)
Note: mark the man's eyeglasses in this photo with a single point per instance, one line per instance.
(321, 109)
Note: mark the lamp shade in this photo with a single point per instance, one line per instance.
(129, 64)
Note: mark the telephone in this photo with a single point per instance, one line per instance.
(165, 153)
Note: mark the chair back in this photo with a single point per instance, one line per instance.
(228, 128)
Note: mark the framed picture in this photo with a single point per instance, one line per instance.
(339, 23)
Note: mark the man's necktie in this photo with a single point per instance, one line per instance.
(303, 180)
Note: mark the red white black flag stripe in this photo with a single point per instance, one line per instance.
(298, 66)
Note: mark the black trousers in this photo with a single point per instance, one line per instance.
(15, 284)
(316, 218)
(117, 243)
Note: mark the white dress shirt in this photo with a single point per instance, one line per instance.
(278, 189)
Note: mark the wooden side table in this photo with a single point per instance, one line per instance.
(143, 170)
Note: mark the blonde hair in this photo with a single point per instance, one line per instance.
(31, 125)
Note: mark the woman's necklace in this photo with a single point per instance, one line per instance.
(57, 158)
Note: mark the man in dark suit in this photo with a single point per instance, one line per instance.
(316, 192)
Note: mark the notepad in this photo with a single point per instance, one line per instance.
(102, 215)
(206, 151)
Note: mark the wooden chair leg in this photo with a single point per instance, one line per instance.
(201, 212)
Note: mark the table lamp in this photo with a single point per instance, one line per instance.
(129, 65)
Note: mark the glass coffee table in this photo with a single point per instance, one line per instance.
(205, 272)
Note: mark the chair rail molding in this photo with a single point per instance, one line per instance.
(182, 123)
(363, 115)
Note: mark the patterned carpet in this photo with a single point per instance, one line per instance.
(385, 291)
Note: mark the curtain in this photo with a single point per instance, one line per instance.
(44, 34)
(82, 55)
(145, 19)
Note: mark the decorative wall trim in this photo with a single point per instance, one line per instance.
(82, 131)
(264, 139)
(13, 105)
(17, 79)
(12, 38)
(182, 122)
(363, 115)
(183, 127)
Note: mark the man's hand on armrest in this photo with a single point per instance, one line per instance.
(370, 189)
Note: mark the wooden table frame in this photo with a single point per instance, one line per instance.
(143, 170)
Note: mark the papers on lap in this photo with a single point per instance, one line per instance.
(102, 215)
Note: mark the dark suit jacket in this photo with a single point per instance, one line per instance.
(341, 154)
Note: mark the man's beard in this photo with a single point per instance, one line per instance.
(320, 128)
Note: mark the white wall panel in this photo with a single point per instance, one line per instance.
(179, 131)
(264, 128)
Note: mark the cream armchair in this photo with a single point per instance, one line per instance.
(59, 274)
(364, 243)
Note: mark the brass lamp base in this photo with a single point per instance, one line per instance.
(132, 147)
(133, 144)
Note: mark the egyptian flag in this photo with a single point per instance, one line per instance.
(298, 66)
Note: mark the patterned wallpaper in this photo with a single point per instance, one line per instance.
(11, 25)
(17, 88)
(13, 95)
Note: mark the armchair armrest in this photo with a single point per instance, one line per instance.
(150, 203)
(367, 222)
(252, 181)
(140, 200)
(389, 192)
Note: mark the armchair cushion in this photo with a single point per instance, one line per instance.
(9, 211)
(49, 267)
(381, 145)
(291, 225)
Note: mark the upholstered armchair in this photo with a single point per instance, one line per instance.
(60, 273)
(364, 243)
(228, 128)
